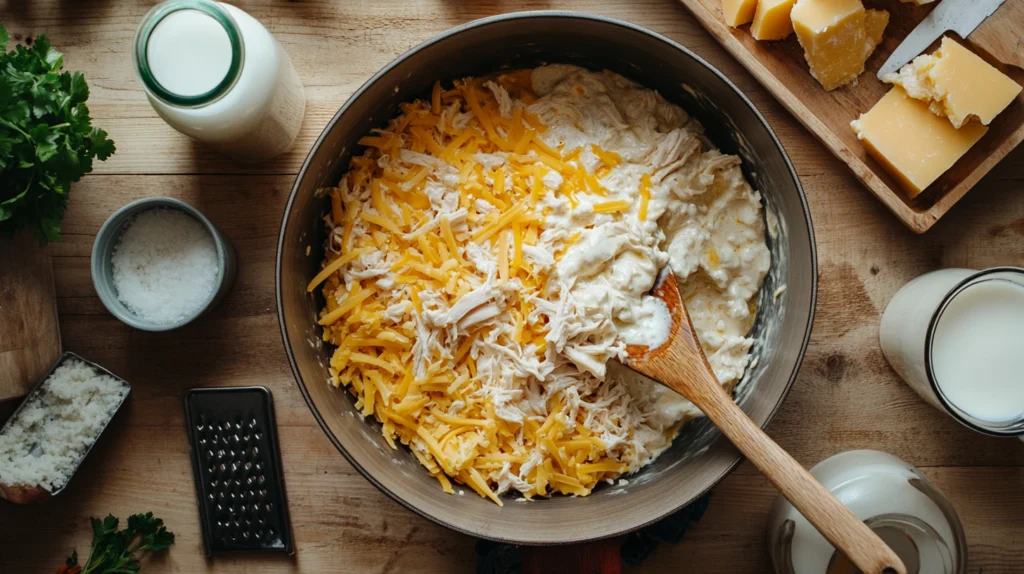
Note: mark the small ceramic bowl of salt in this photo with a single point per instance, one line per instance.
(158, 263)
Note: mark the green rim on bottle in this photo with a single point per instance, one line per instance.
(140, 56)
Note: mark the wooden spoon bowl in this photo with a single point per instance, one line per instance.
(681, 365)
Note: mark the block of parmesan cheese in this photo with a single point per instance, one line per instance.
(837, 37)
(738, 12)
(915, 145)
(771, 20)
(956, 83)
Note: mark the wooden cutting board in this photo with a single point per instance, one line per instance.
(29, 331)
(781, 68)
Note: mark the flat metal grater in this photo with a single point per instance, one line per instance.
(237, 467)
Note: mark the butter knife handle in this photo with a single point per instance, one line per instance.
(1002, 34)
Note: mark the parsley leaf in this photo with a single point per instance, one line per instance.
(116, 551)
(47, 140)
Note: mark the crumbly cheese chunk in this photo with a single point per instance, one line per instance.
(956, 83)
(837, 36)
(492, 251)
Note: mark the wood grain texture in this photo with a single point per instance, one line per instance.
(1000, 35)
(29, 331)
(680, 364)
(846, 396)
(782, 69)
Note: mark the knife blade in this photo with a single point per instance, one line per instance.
(960, 16)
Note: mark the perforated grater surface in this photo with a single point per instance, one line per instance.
(237, 468)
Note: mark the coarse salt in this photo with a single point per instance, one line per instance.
(165, 266)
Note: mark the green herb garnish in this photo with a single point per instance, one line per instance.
(46, 137)
(116, 551)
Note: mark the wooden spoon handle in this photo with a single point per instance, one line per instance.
(834, 520)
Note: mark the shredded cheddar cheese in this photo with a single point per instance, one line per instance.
(442, 294)
(645, 196)
(611, 206)
(453, 432)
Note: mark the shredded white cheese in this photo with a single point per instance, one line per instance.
(44, 443)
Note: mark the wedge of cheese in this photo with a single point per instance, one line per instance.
(837, 37)
(957, 84)
(915, 145)
(738, 12)
(771, 20)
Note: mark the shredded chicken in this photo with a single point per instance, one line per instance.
(505, 234)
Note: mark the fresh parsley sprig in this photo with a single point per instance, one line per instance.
(46, 137)
(116, 551)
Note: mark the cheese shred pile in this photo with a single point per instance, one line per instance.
(446, 302)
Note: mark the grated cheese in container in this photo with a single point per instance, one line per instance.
(46, 439)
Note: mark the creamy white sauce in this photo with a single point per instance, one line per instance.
(649, 325)
(702, 218)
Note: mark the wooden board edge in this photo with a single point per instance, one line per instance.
(50, 344)
(947, 201)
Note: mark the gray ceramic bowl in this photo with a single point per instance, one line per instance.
(106, 241)
(700, 456)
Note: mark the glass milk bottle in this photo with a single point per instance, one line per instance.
(215, 74)
(956, 336)
(892, 498)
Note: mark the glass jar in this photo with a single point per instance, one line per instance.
(954, 336)
(215, 74)
(893, 498)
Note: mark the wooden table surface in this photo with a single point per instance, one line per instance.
(846, 397)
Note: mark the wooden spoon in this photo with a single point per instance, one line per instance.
(680, 364)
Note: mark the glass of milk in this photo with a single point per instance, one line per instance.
(957, 337)
(215, 74)
(893, 498)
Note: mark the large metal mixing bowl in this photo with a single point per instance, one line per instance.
(700, 456)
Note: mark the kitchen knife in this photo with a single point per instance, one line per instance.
(960, 16)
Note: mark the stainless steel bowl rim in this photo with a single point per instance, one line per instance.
(526, 15)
